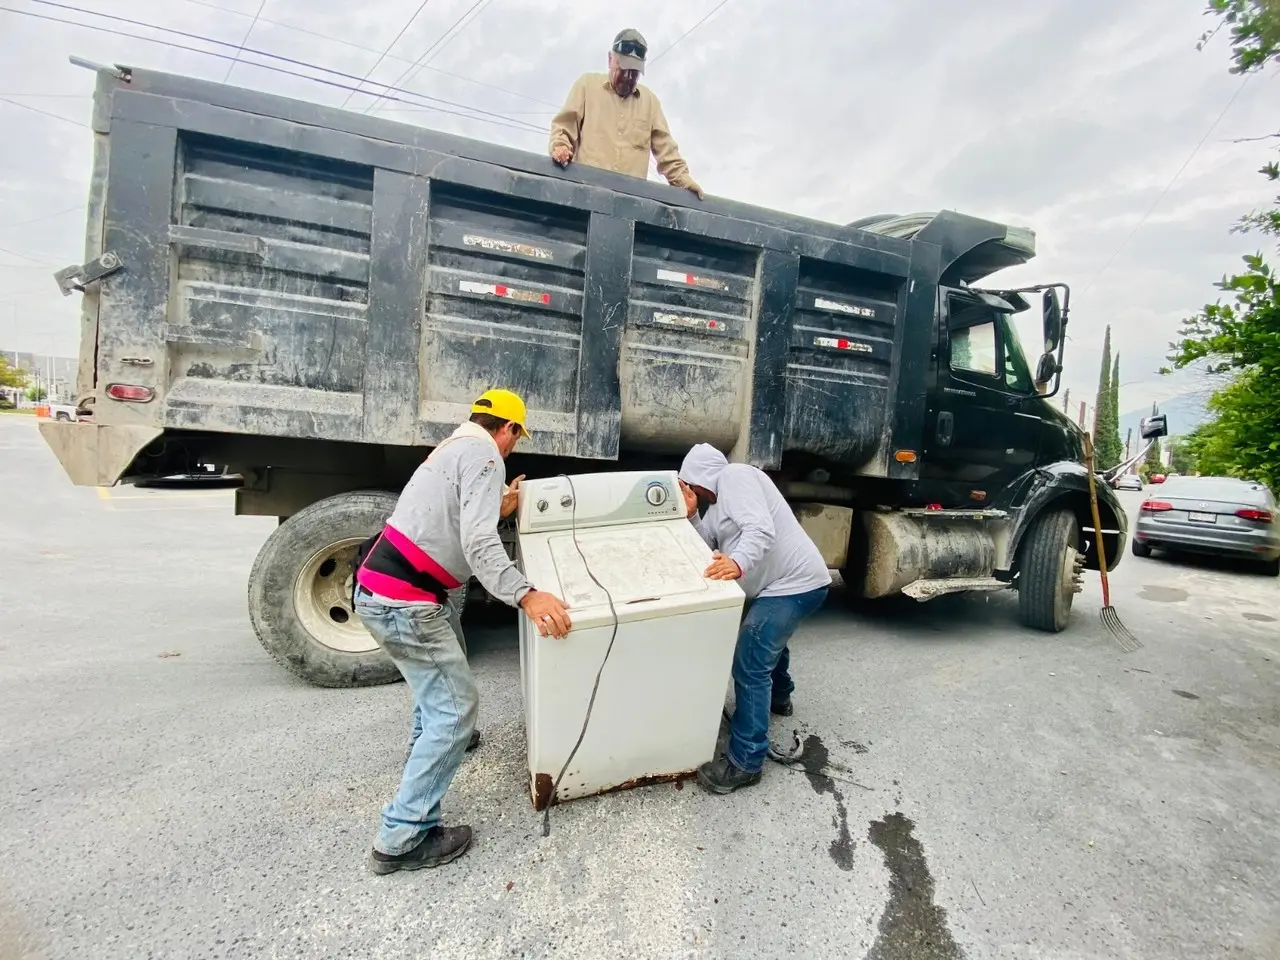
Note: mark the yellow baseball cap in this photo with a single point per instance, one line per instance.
(502, 404)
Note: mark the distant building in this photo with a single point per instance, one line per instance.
(55, 375)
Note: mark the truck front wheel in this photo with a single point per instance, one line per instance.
(300, 592)
(1050, 564)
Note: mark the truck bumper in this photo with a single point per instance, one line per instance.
(96, 454)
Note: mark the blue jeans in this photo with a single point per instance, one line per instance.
(425, 646)
(456, 600)
(760, 671)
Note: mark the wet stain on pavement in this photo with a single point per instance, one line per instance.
(912, 926)
(1163, 594)
(1259, 618)
(815, 759)
(1185, 695)
(854, 745)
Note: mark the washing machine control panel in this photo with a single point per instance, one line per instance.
(598, 499)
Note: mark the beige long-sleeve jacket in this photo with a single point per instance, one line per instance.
(607, 131)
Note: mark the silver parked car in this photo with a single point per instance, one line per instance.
(1129, 481)
(1211, 515)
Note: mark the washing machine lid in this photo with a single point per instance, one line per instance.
(651, 570)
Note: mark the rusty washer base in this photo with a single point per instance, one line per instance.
(541, 784)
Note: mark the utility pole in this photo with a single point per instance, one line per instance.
(1127, 438)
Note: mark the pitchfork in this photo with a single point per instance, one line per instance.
(1110, 618)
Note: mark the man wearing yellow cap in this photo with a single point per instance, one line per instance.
(443, 530)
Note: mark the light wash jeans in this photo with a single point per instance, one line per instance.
(425, 644)
(760, 671)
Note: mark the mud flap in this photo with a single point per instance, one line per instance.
(96, 454)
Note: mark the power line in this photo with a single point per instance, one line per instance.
(49, 96)
(27, 106)
(382, 56)
(247, 33)
(667, 50)
(23, 256)
(47, 216)
(440, 43)
(422, 98)
(359, 46)
(1168, 186)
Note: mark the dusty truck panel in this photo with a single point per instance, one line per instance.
(352, 280)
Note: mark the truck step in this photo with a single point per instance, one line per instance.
(928, 589)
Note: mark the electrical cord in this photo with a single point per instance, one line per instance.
(595, 688)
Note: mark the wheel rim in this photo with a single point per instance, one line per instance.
(322, 599)
(1071, 577)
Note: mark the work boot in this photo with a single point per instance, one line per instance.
(782, 708)
(722, 776)
(441, 845)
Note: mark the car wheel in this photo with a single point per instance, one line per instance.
(1272, 567)
(1139, 549)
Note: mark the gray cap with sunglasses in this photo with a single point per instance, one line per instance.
(630, 48)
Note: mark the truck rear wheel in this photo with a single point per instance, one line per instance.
(300, 592)
(1047, 571)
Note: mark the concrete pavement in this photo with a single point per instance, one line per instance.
(168, 791)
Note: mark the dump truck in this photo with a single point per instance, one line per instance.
(313, 297)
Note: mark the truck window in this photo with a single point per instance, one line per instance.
(1017, 373)
(973, 349)
(985, 341)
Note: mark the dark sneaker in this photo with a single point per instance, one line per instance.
(721, 776)
(782, 708)
(441, 845)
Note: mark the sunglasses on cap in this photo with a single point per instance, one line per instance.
(630, 48)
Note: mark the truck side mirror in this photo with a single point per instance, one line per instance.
(1047, 369)
(1052, 319)
(1153, 427)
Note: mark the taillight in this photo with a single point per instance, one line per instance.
(1155, 506)
(1262, 516)
(130, 392)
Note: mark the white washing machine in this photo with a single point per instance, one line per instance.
(657, 711)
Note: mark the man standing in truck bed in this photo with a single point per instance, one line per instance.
(610, 121)
(443, 529)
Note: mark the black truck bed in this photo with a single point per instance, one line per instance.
(291, 270)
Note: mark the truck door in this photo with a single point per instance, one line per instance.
(979, 437)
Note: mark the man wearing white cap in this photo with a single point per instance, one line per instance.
(610, 121)
(757, 541)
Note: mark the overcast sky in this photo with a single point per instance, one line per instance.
(1070, 117)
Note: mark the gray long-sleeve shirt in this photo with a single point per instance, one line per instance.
(450, 508)
(751, 523)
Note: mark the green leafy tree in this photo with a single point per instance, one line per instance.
(1154, 462)
(1241, 337)
(1254, 30)
(36, 394)
(10, 376)
(1106, 423)
(1182, 457)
